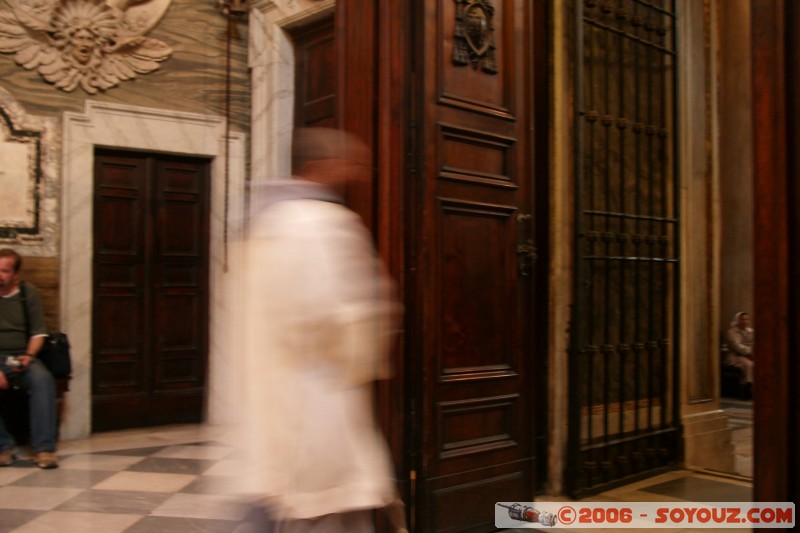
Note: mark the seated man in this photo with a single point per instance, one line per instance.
(740, 342)
(22, 335)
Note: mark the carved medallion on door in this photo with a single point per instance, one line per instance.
(474, 35)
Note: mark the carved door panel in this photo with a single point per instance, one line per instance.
(315, 75)
(474, 263)
(150, 286)
(319, 82)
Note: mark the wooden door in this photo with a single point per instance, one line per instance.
(315, 75)
(322, 60)
(473, 263)
(150, 286)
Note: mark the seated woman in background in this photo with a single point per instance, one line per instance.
(740, 342)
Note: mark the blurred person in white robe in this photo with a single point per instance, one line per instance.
(320, 313)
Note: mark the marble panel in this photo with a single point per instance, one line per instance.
(181, 466)
(115, 501)
(707, 441)
(210, 452)
(208, 506)
(65, 478)
(29, 169)
(13, 518)
(99, 462)
(168, 524)
(146, 482)
(35, 498)
(702, 490)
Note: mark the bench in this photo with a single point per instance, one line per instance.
(730, 382)
(15, 413)
(730, 376)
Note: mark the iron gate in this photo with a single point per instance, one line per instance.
(623, 361)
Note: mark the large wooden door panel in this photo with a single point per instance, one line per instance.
(454, 211)
(150, 283)
(475, 279)
(181, 275)
(118, 275)
(475, 284)
(315, 75)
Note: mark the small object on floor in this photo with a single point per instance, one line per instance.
(7, 458)
(46, 460)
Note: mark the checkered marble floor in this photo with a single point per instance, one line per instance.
(181, 479)
(165, 480)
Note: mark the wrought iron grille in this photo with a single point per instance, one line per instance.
(623, 364)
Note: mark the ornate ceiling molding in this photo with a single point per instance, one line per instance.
(92, 44)
(289, 13)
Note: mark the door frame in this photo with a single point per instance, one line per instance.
(153, 130)
(373, 65)
(776, 104)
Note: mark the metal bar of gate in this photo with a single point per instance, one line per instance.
(625, 312)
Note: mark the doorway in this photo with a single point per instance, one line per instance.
(150, 289)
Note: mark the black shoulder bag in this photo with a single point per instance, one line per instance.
(55, 350)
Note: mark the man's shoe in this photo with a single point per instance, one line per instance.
(46, 460)
(7, 458)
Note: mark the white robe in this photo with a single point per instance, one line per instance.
(318, 322)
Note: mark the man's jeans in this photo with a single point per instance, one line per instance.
(39, 383)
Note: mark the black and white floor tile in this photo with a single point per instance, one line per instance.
(178, 487)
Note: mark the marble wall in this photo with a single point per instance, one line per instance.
(192, 79)
(707, 435)
(736, 160)
(179, 108)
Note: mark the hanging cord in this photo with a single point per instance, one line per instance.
(231, 9)
(228, 40)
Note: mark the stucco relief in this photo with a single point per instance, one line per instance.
(92, 44)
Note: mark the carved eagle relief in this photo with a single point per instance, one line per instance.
(93, 44)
